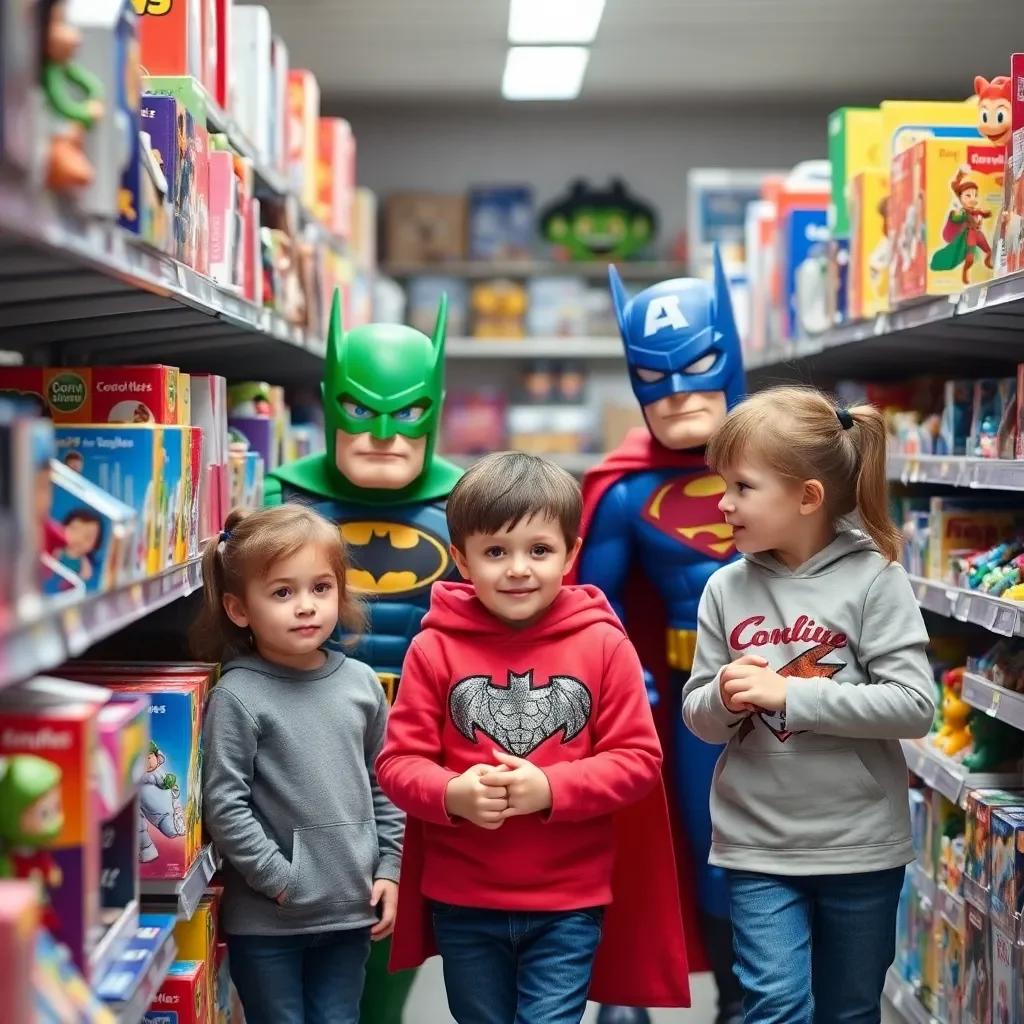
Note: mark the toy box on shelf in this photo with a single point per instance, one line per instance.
(19, 924)
(336, 175)
(1010, 233)
(184, 996)
(19, 82)
(868, 209)
(251, 61)
(303, 135)
(425, 228)
(500, 222)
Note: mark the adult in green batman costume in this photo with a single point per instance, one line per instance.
(382, 482)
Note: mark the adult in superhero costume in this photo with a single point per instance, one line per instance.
(380, 480)
(652, 530)
(31, 819)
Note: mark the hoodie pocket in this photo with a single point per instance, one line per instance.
(799, 800)
(332, 864)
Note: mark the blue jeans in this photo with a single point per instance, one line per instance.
(519, 967)
(300, 979)
(814, 949)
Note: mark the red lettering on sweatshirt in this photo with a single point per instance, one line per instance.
(747, 634)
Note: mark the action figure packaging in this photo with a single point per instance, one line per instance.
(500, 223)
(907, 122)
(1007, 829)
(959, 526)
(1010, 232)
(100, 532)
(424, 295)
(922, 963)
(303, 135)
(557, 307)
(127, 461)
(171, 35)
(919, 826)
(251, 58)
(19, 75)
(498, 309)
(1004, 981)
(949, 998)
(977, 998)
(183, 997)
(944, 206)
(280, 68)
(336, 175)
(978, 838)
(425, 227)
(99, 394)
(854, 147)
(868, 208)
(946, 841)
(994, 418)
(196, 940)
(19, 922)
(49, 820)
(121, 754)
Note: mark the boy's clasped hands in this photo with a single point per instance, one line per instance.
(487, 794)
(749, 685)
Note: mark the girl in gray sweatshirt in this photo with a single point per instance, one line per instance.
(810, 666)
(311, 845)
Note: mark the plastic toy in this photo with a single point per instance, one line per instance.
(67, 167)
(994, 743)
(994, 109)
(591, 223)
(498, 309)
(954, 735)
(383, 390)
(651, 506)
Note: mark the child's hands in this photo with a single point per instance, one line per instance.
(747, 684)
(385, 894)
(467, 797)
(279, 898)
(526, 786)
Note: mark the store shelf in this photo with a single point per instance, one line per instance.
(91, 291)
(188, 891)
(947, 776)
(638, 270)
(66, 629)
(115, 938)
(904, 1000)
(132, 1009)
(576, 463)
(983, 323)
(534, 348)
(995, 701)
(991, 613)
(958, 471)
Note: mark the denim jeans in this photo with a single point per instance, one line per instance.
(814, 948)
(518, 967)
(300, 979)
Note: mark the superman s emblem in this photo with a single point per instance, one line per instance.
(686, 509)
(392, 560)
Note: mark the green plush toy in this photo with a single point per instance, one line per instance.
(994, 743)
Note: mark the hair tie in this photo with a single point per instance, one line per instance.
(845, 418)
(225, 536)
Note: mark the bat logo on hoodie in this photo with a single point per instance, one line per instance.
(520, 716)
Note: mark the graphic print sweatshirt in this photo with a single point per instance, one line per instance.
(566, 693)
(822, 787)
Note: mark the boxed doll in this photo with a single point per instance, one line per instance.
(977, 996)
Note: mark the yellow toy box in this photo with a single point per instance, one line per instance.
(907, 122)
(854, 146)
(196, 940)
(868, 205)
(943, 210)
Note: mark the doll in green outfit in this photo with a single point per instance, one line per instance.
(73, 96)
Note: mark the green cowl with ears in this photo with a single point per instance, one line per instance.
(382, 379)
(24, 778)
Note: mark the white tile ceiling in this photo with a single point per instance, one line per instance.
(657, 50)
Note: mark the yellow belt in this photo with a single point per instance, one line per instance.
(389, 680)
(681, 645)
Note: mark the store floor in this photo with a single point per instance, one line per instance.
(427, 1003)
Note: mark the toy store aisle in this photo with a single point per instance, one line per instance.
(427, 1003)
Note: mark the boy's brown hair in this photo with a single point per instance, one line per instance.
(252, 541)
(505, 488)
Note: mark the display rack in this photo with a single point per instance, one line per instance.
(187, 891)
(475, 270)
(534, 348)
(949, 777)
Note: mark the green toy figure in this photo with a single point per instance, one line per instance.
(994, 743)
(31, 818)
(382, 482)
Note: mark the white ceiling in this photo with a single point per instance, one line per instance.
(749, 51)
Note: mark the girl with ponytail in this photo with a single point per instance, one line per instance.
(810, 666)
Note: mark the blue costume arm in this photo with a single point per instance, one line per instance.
(608, 553)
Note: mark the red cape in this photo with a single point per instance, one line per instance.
(642, 957)
(639, 452)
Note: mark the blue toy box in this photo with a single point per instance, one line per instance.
(501, 222)
(805, 280)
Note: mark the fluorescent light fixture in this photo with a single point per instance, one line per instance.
(539, 22)
(544, 72)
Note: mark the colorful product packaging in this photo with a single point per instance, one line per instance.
(303, 134)
(1010, 232)
(19, 924)
(336, 175)
(123, 747)
(868, 210)
(183, 997)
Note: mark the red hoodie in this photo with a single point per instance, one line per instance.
(566, 693)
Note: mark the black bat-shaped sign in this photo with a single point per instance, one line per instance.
(391, 570)
(519, 717)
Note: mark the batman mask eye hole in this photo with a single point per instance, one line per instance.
(649, 376)
(355, 409)
(702, 365)
(412, 413)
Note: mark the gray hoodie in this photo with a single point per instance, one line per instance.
(822, 788)
(290, 796)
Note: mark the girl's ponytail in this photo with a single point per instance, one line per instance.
(214, 637)
(869, 438)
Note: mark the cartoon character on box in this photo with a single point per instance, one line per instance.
(31, 819)
(159, 804)
(74, 100)
(651, 523)
(994, 109)
(383, 392)
(963, 229)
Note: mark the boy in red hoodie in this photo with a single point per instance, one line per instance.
(538, 857)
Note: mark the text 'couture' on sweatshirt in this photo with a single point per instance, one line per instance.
(291, 799)
(567, 694)
(820, 788)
